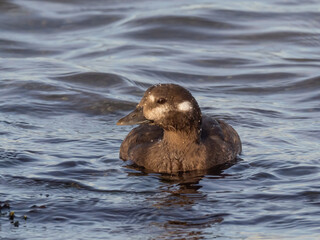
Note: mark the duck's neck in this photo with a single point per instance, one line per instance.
(180, 139)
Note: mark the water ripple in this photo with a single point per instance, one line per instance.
(70, 70)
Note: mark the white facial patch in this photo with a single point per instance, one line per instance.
(157, 113)
(185, 106)
(151, 98)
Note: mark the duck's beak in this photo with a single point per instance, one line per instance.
(135, 117)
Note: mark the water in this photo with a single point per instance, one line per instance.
(70, 69)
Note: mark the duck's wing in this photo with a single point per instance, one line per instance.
(143, 134)
(219, 129)
(222, 142)
(211, 128)
(231, 136)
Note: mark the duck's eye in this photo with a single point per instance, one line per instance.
(161, 100)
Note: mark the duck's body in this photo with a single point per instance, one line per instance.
(174, 136)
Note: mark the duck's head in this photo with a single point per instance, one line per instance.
(169, 106)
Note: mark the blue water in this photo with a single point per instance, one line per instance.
(70, 69)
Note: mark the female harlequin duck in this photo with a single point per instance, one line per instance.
(174, 136)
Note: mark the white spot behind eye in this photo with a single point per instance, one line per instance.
(185, 106)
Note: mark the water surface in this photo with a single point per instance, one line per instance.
(70, 69)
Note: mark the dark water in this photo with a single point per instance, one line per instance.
(70, 69)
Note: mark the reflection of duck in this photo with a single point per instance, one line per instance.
(174, 136)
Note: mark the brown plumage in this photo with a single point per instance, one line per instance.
(174, 136)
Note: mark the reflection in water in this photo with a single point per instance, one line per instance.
(179, 194)
(184, 196)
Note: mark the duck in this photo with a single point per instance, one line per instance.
(173, 136)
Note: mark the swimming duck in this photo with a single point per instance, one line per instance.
(173, 136)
